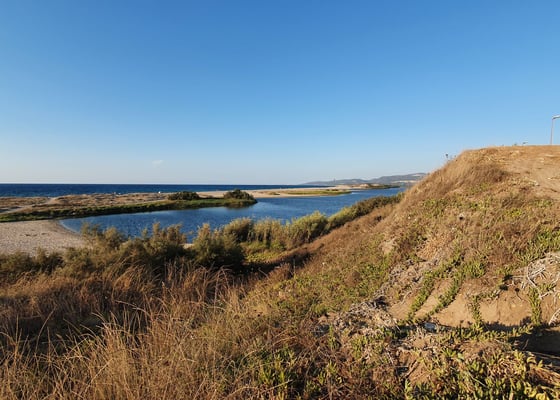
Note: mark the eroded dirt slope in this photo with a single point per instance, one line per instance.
(475, 242)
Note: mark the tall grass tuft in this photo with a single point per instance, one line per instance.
(216, 249)
(305, 229)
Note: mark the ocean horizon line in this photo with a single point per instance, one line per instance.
(63, 189)
(153, 184)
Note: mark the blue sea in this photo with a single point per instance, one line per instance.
(280, 208)
(55, 189)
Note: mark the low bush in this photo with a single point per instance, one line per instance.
(185, 195)
(14, 266)
(239, 195)
(109, 239)
(215, 249)
(240, 229)
(305, 229)
(163, 246)
(111, 252)
(270, 232)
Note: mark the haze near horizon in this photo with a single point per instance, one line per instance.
(254, 92)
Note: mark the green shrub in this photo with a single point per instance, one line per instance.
(14, 265)
(79, 262)
(48, 262)
(110, 251)
(164, 246)
(109, 239)
(216, 249)
(240, 229)
(185, 195)
(342, 217)
(238, 194)
(270, 232)
(305, 229)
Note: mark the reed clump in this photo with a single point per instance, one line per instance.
(274, 235)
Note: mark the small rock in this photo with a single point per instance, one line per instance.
(430, 326)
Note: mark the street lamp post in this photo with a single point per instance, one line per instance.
(552, 127)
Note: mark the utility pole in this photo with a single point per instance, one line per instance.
(552, 127)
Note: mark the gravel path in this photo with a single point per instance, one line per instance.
(29, 236)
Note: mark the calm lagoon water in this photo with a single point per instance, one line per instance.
(283, 209)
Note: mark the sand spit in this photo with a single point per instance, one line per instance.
(30, 236)
(291, 192)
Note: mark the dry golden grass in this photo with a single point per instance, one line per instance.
(362, 312)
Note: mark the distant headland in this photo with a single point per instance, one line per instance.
(392, 180)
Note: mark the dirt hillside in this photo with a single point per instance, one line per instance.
(476, 243)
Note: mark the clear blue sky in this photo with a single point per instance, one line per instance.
(268, 91)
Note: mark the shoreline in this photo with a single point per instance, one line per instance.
(83, 205)
(52, 236)
(30, 236)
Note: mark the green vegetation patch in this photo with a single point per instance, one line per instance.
(176, 201)
(185, 195)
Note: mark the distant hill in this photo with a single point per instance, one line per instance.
(384, 180)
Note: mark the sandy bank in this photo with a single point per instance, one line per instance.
(29, 236)
(291, 192)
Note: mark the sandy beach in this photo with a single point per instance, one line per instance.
(29, 236)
